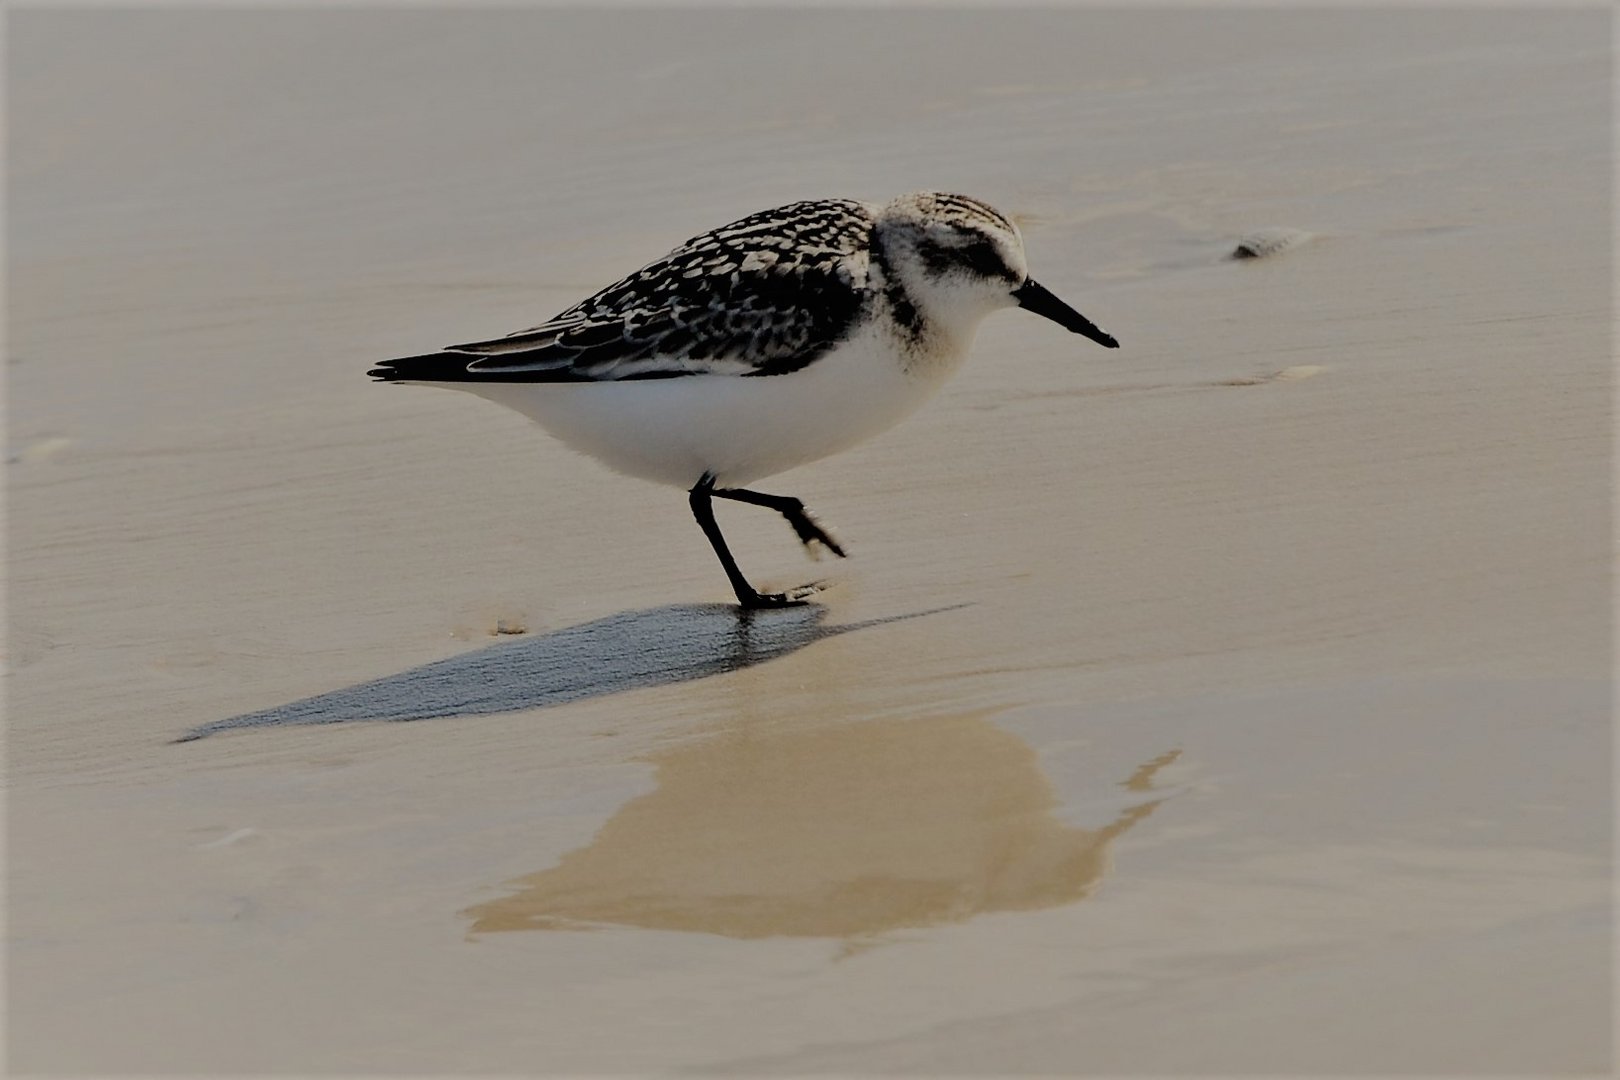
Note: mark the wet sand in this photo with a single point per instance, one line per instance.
(1236, 702)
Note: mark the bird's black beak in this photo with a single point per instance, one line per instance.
(1033, 297)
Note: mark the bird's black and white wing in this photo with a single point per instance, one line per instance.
(765, 295)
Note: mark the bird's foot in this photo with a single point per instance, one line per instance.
(814, 535)
(798, 597)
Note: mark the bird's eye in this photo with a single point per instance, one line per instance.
(983, 259)
(977, 256)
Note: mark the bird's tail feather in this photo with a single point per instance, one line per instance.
(429, 367)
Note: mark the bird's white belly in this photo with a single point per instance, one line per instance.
(736, 428)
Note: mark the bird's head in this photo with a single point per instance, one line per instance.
(958, 259)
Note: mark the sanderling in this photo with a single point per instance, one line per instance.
(770, 342)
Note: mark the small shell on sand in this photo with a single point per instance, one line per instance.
(40, 450)
(1288, 374)
(1263, 242)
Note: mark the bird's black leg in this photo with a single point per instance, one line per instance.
(701, 497)
(809, 530)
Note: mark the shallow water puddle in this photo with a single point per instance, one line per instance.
(842, 832)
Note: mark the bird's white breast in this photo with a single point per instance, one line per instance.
(739, 429)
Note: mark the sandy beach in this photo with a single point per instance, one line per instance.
(1237, 702)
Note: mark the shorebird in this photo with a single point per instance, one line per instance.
(777, 340)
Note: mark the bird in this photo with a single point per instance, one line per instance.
(784, 337)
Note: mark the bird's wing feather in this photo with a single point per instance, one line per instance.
(762, 296)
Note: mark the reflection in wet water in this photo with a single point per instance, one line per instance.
(843, 832)
(627, 651)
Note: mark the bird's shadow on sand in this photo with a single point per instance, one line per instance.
(628, 651)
